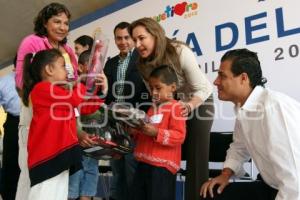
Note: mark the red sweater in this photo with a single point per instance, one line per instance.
(52, 141)
(164, 150)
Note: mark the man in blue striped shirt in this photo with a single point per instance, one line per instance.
(10, 102)
(125, 86)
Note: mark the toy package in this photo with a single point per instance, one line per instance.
(96, 60)
(129, 115)
(108, 126)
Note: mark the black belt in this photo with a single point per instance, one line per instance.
(12, 116)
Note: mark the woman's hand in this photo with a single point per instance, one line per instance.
(101, 81)
(186, 108)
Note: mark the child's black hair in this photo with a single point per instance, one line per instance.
(84, 57)
(166, 74)
(34, 65)
(85, 40)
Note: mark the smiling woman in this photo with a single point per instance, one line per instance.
(194, 91)
(51, 27)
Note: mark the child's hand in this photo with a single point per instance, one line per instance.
(149, 129)
(101, 80)
(117, 156)
(130, 130)
(86, 140)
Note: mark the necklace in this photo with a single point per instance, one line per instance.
(55, 46)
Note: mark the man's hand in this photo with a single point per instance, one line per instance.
(222, 181)
(86, 140)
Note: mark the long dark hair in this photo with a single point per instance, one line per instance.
(45, 14)
(165, 49)
(34, 66)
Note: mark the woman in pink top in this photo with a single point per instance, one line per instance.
(51, 27)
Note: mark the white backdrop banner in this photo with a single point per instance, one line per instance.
(210, 28)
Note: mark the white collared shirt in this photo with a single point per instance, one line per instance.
(267, 129)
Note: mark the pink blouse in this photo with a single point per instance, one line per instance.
(33, 44)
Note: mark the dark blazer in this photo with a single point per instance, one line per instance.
(139, 90)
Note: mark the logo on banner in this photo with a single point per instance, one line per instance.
(183, 9)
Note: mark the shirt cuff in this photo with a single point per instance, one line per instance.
(235, 166)
(163, 136)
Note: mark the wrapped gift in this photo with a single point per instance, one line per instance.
(97, 59)
(129, 115)
(112, 141)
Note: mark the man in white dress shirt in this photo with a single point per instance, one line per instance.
(267, 129)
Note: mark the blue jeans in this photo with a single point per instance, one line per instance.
(123, 173)
(84, 182)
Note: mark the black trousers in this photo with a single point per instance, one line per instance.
(10, 167)
(153, 183)
(196, 148)
(123, 170)
(256, 190)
